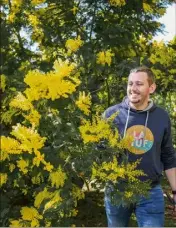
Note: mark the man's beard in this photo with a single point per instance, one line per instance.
(134, 101)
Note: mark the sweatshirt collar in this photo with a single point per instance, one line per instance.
(148, 108)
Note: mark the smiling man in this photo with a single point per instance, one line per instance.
(150, 128)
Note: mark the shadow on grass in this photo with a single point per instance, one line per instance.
(91, 212)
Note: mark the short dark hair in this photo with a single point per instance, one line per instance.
(148, 71)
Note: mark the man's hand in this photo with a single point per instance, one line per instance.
(170, 212)
(174, 201)
(172, 207)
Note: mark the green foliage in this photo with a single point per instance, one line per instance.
(168, 103)
(34, 35)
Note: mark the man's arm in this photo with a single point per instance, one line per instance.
(171, 176)
(168, 157)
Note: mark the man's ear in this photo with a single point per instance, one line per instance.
(152, 88)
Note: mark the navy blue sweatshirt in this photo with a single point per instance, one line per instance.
(151, 132)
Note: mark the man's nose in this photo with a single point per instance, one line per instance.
(133, 87)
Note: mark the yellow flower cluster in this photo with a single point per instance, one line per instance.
(28, 141)
(37, 81)
(47, 223)
(4, 156)
(63, 69)
(84, 102)
(37, 179)
(113, 138)
(9, 146)
(5, 1)
(29, 138)
(93, 132)
(37, 34)
(159, 51)
(147, 8)
(73, 45)
(48, 166)
(112, 171)
(132, 172)
(69, 214)
(41, 196)
(162, 11)
(74, 212)
(38, 158)
(126, 143)
(75, 10)
(15, 183)
(77, 193)
(3, 178)
(19, 223)
(104, 57)
(33, 117)
(21, 102)
(22, 165)
(57, 178)
(28, 214)
(11, 167)
(2, 82)
(53, 201)
(52, 85)
(15, 8)
(98, 129)
(45, 195)
(103, 173)
(33, 20)
(37, 2)
(24, 191)
(117, 2)
(128, 194)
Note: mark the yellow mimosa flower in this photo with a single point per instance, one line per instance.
(21, 102)
(3, 178)
(30, 213)
(104, 57)
(84, 102)
(57, 178)
(117, 2)
(73, 44)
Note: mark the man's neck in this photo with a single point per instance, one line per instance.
(139, 107)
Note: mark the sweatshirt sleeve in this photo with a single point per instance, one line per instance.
(168, 154)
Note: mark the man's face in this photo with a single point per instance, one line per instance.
(138, 89)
